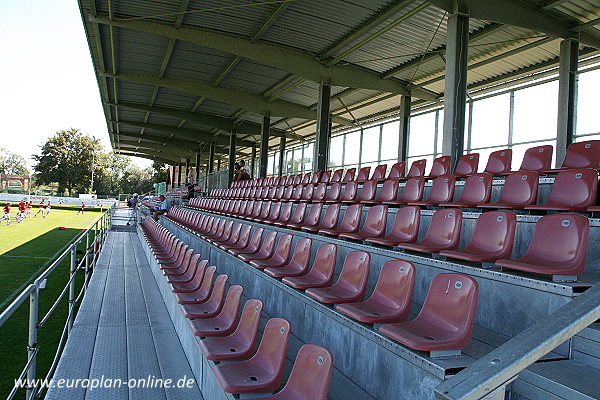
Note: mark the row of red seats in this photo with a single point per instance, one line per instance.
(572, 190)
(213, 317)
(444, 323)
(539, 158)
(558, 246)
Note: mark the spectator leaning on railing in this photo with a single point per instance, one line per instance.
(162, 208)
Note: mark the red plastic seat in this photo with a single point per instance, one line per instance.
(519, 190)
(440, 166)
(363, 174)
(581, 155)
(537, 158)
(306, 178)
(367, 193)
(222, 324)
(202, 294)
(313, 216)
(325, 177)
(413, 191)
(252, 245)
(404, 230)
(319, 193)
(189, 272)
(351, 284)
(417, 169)
(196, 282)
(297, 179)
(264, 371)
(477, 190)
(492, 238)
(334, 194)
(379, 172)
(349, 175)
(350, 222)
(558, 247)
(350, 192)
(499, 162)
(308, 192)
(443, 233)
(212, 306)
(297, 193)
(321, 274)
(284, 215)
(467, 165)
(397, 170)
(264, 251)
(388, 192)
(444, 325)
(391, 299)
(442, 191)
(274, 210)
(337, 176)
(287, 193)
(374, 225)
(329, 221)
(573, 190)
(310, 376)
(239, 242)
(298, 264)
(297, 217)
(280, 255)
(241, 343)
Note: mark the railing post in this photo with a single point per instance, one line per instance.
(87, 261)
(32, 342)
(72, 288)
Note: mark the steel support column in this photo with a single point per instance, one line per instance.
(211, 158)
(264, 146)
(567, 97)
(173, 175)
(179, 175)
(231, 157)
(404, 124)
(281, 155)
(455, 93)
(187, 170)
(253, 162)
(323, 135)
(197, 165)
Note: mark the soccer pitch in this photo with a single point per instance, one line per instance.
(26, 249)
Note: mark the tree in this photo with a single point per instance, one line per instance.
(109, 171)
(12, 163)
(137, 180)
(66, 158)
(161, 172)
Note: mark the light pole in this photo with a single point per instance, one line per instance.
(93, 160)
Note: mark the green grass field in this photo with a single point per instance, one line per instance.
(26, 249)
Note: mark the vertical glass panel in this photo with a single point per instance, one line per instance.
(490, 121)
(273, 161)
(370, 145)
(587, 103)
(352, 147)
(421, 134)
(586, 138)
(519, 152)
(289, 163)
(336, 151)
(440, 138)
(535, 114)
(308, 157)
(390, 140)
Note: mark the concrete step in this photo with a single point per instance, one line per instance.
(558, 380)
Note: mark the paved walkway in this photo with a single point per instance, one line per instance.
(123, 332)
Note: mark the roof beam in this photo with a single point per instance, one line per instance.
(519, 13)
(285, 58)
(181, 143)
(213, 120)
(153, 153)
(239, 98)
(193, 134)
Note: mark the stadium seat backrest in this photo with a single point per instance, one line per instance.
(287, 194)
(413, 191)
(363, 174)
(537, 158)
(477, 189)
(494, 233)
(337, 176)
(520, 188)
(308, 192)
(306, 178)
(320, 192)
(575, 188)
(355, 271)
(397, 170)
(442, 189)
(298, 215)
(499, 162)
(297, 179)
(389, 191)
(395, 285)
(297, 194)
(444, 228)
(275, 210)
(331, 216)
(273, 346)
(375, 221)
(368, 191)
(314, 215)
(350, 191)
(451, 302)
(440, 166)
(324, 262)
(406, 224)
(417, 168)
(255, 239)
(335, 191)
(311, 374)
(290, 180)
(284, 245)
(351, 220)
(583, 155)
(279, 193)
(315, 177)
(286, 212)
(246, 332)
(349, 175)
(379, 173)
(325, 177)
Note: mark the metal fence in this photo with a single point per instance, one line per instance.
(93, 237)
(214, 180)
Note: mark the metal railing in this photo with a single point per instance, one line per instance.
(93, 237)
(488, 377)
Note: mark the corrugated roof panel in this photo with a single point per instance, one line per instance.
(163, 119)
(131, 91)
(253, 77)
(582, 10)
(139, 51)
(159, 10)
(172, 98)
(215, 107)
(191, 61)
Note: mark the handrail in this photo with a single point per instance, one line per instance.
(502, 365)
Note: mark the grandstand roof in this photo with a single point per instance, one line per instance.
(175, 75)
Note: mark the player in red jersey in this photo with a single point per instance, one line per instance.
(81, 209)
(29, 207)
(41, 209)
(6, 214)
(47, 209)
(22, 212)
